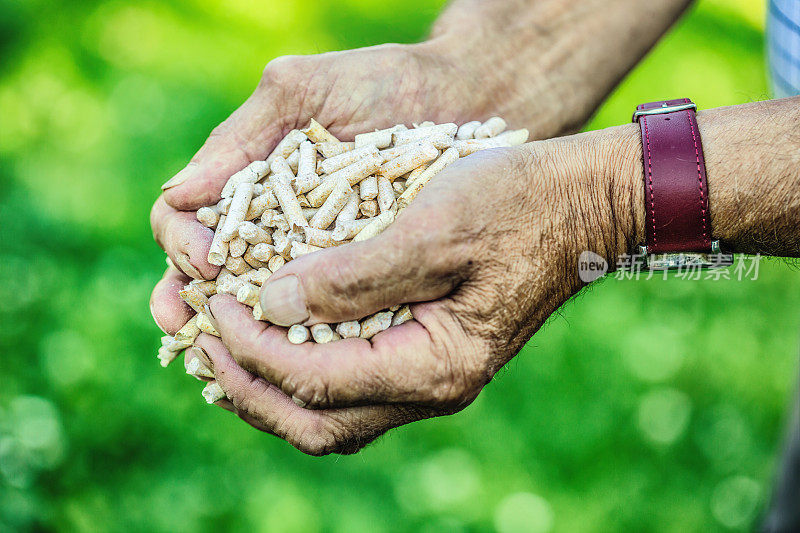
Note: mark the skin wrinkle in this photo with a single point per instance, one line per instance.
(527, 226)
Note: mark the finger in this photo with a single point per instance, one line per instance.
(265, 407)
(399, 266)
(404, 364)
(185, 240)
(248, 134)
(169, 311)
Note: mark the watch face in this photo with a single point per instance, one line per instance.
(688, 260)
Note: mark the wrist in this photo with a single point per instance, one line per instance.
(603, 179)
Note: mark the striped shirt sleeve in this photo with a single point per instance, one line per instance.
(783, 47)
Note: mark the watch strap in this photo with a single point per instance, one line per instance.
(676, 189)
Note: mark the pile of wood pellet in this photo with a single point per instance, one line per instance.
(314, 192)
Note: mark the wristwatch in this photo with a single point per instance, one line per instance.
(678, 231)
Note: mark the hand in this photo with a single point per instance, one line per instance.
(348, 92)
(490, 249)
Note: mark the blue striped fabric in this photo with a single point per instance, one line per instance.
(783, 47)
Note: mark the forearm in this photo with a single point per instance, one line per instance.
(548, 64)
(752, 155)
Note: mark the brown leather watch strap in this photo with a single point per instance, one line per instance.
(676, 191)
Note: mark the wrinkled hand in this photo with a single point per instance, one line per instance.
(489, 248)
(348, 92)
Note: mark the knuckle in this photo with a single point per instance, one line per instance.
(312, 390)
(281, 71)
(314, 439)
(455, 383)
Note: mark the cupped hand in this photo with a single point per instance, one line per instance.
(487, 251)
(348, 92)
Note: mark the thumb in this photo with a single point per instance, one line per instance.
(246, 136)
(354, 280)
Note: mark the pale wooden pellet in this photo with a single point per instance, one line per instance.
(263, 252)
(440, 140)
(332, 206)
(206, 325)
(368, 208)
(279, 222)
(408, 136)
(166, 356)
(300, 248)
(219, 247)
(248, 294)
(318, 134)
(251, 259)
(402, 315)
(409, 160)
(332, 149)
(207, 287)
(380, 138)
(350, 210)
(287, 199)
(276, 263)
(293, 161)
(258, 276)
(207, 217)
(175, 345)
(350, 229)
(385, 194)
(237, 265)
(189, 332)
(298, 334)
(491, 128)
(514, 137)
(368, 188)
(375, 227)
(260, 204)
(448, 157)
(467, 130)
(349, 329)
(399, 186)
(280, 166)
(252, 234)
(194, 298)
(376, 323)
(288, 144)
(198, 369)
(223, 205)
(321, 333)
(352, 173)
(249, 174)
(414, 174)
(309, 212)
(239, 205)
(306, 183)
(237, 247)
(230, 285)
(258, 313)
(331, 165)
(213, 393)
(319, 237)
(504, 140)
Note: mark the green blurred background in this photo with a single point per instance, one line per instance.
(642, 406)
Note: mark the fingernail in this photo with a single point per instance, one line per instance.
(298, 401)
(153, 314)
(283, 302)
(179, 178)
